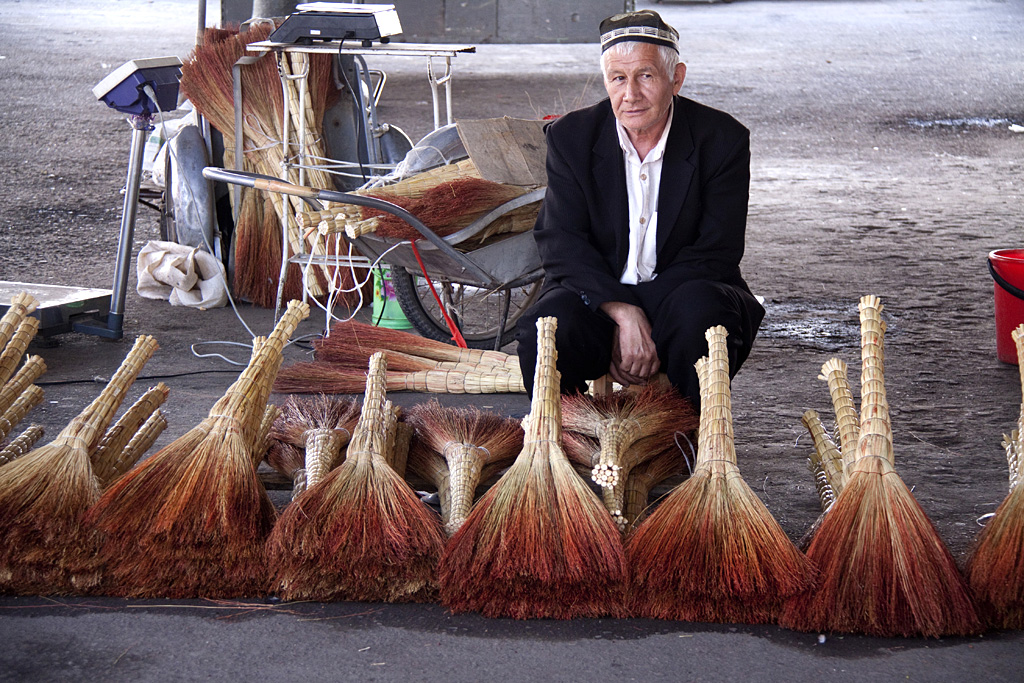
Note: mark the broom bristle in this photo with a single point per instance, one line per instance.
(995, 571)
(361, 534)
(712, 551)
(538, 544)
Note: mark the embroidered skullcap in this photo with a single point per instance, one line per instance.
(645, 26)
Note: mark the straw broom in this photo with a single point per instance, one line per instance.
(468, 440)
(44, 494)
(348, 338)
(711, 551)
(994, 566)
(619, 421)
(16, 347)
(330, 379)
(884, 569)
(21, 444)
(190, 520)
(22, 305)
(31, 370)
(361, 533)
(320, 427)
(29, 399)
(539, 543)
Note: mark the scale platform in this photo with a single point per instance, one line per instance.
(60, 308)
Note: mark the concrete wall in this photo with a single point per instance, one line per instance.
(504, 21)
(474, 21)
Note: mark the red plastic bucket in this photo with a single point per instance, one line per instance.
(1007, 268)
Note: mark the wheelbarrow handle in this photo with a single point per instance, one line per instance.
(261, 182)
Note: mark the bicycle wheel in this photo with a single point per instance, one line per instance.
(476, 311)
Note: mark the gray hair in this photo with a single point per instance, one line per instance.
(667, 57)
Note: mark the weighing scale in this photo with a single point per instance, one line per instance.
(138, 88)
(329, 21)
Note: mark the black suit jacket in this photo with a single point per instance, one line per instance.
(582, 230)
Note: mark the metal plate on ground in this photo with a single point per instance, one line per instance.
(58, 304)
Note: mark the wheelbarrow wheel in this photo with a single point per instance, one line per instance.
(477, 312)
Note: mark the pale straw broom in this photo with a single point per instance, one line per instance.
(539, 543)
(884, 569)
(139, 444)
(191, 520)
(45, 494)
(712, 551)
(16, 347)
(361, 533)
(21, 444)
(29, 399)
(994, 567)
(31, 370)
(111, 446)
(469, 441)
(315, 377)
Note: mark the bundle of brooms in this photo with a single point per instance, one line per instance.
(207, 82)
(456, 449)
(712, 551)
(361, 533)
(191, 520)
(539, 543)
(44, 494)
(621, 420)
(884, 569)
(995, 568)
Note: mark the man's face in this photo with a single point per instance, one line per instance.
(639, 89)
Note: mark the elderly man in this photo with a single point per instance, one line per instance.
(642, 227)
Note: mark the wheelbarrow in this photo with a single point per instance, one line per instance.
(483, 290)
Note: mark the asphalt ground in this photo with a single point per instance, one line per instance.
(883, 162)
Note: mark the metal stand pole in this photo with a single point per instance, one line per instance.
(141, 125)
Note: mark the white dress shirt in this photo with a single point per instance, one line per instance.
(643, 180)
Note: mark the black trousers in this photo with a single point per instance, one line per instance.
(584, 338)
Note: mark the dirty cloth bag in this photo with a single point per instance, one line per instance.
(185, 276)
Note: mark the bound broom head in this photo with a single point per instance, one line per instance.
(538, 544)
(711, 551)
(16, 347)
(834, 371)
(318, 377)
(361, 534)
(29, 372)
(44, 494)
(994, 568)
(884, 569)
(191, 520)
(468, 440)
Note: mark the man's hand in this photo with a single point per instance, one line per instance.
(634, 357)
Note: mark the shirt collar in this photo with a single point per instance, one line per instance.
(658, 151)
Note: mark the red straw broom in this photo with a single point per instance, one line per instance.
(468, 441)
(45, 494)
(356, 339)
(711, 551)
(361, 533)
(539, 543)
(320, 427)
(191, 520)
(884, 569)
(995, 568)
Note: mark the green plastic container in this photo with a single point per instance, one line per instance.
(386, 311)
